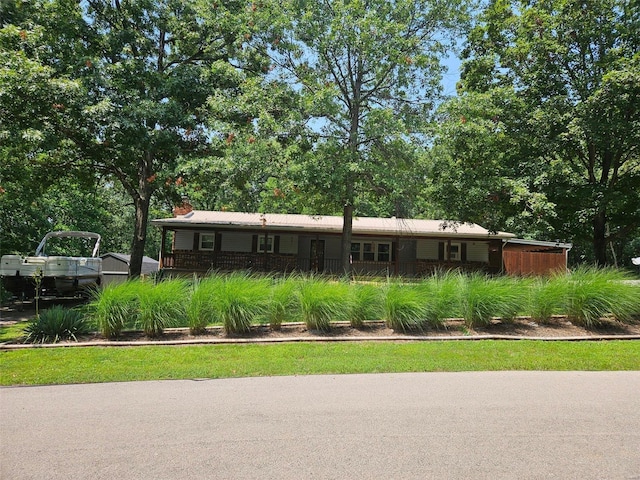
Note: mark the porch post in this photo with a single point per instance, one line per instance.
(266, 250)
(163, 243)
(396, 256)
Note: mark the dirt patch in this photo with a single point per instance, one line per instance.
(557, 328)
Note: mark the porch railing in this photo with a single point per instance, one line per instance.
(228, 261)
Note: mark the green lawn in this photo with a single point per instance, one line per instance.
(111, 364)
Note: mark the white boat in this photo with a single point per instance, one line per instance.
(59, 275)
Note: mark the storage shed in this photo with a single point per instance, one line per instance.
(534, 257)
(115, 267)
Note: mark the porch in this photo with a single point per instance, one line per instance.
(200, 262)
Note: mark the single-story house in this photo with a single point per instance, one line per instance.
(199, 241)
(115, 267)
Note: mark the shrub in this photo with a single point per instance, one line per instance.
(367, 304)
(55, 324)
(200, 308)
(114, 307)
(241, 300)
(547, 297)
(161, 305)
(594, 293)
(442, 297)
(484, 298)
(322, 301)
(405, 307)
(283, 305)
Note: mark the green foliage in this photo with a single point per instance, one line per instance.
(595, 293)
(200, 310)
(548, 296)
(322, 301)
(129, 101)
(283, 305)
(405, 306)
(114, 307)
(241, 300)
(367, 304)
(484, 298)
(557, 141)
(161, 305)
(56, 323)
(442, 297)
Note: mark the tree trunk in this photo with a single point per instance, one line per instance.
(599, 238)
(139, 235)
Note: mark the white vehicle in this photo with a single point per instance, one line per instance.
(57, 275)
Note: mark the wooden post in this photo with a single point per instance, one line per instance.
(163, 243)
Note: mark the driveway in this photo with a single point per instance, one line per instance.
(475, 425)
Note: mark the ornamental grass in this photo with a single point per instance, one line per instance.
(405, 308)
(114, 307)
(483, 298)
(283, 305)
(322, 301)
(241, 300)
(367, 304)
(201, 308)
(161, 305)
(595, 293)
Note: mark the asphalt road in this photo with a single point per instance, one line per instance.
(482, 425)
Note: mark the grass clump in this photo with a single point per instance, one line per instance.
(241, 299)
(161, 305)
(55, 324)
(284, 301)
(200, 309)
(548, 297)
(484, 298)
(367, 304)
(405, 308)
(322, 301)
(442, 292)
(594, 293)
(114, 307)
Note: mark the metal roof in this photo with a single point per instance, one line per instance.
(540, 243)
(328, 224)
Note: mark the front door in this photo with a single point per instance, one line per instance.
(317, 256)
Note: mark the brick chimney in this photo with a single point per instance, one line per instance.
(184, 208)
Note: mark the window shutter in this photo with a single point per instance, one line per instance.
(394, 247)
(196, 241)
(276, 244)
(254, 243)
(218, 242)
(441, 251)
(463, 251)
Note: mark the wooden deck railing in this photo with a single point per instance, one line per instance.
(229, 261)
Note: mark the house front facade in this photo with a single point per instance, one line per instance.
(199, 241)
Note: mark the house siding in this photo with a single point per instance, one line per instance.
(236, 242)
(183, 240)
(478, 252)
(289, 244)
(427, 249)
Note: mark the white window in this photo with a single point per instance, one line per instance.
(207, 241)
(455, 252)
(371, 251)
(269, 239)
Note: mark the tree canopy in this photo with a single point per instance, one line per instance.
(550, 113)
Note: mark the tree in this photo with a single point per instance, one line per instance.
(369, 72)
(124, 87)
(476, 171)
(575, 65)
